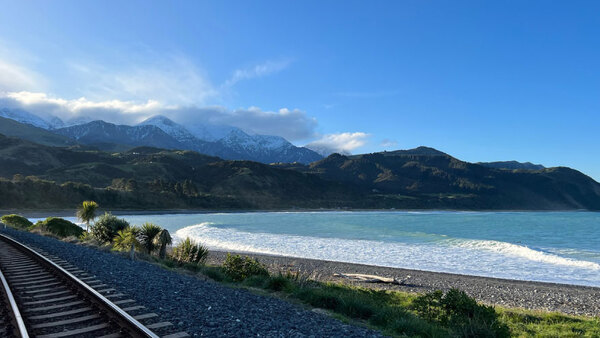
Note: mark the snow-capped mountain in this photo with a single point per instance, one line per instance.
(227, 142)
(23, 116)
(177, 131)
(50, 123)
(110, 136)
(56, 123)
(75, 121)
(210, 132)
(232, 143)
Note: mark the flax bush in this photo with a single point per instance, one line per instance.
(189, 251)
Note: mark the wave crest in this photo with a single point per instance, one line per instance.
(522, 251)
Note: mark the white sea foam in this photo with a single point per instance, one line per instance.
(474, 257)
(510, 249)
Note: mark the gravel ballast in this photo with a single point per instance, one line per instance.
(202, 308)
(569, 299)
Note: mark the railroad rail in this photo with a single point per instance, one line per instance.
(45, 296)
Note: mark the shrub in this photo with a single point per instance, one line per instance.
(126, 238)
(16, 221)
(461, 314)
(278, 283)
(107, 227)
(146, 236)
(59, 227)
(188, 251)
(239, 268)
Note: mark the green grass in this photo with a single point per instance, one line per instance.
(524, 323)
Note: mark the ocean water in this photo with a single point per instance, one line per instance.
(561, 247)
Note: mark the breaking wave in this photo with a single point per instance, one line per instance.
(474, 257)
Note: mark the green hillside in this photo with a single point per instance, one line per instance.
(13, 128)
(152, 178)
(425, 173)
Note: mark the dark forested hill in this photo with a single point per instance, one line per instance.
(511, 165)
(425, 173)
(146, 177)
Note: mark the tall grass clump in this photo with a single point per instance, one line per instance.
(461, 314)
(189, 251)
(58, 227)
(239, 268)
(16, 221)
(106, 227)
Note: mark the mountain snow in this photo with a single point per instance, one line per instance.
(51, 123)
(22, 116)
(229, 136)
(233, 143)
(159, 131)
(177, 131)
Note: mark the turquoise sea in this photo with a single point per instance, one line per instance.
(561, 247)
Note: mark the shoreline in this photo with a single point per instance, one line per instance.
(37, 213)
(531, 295)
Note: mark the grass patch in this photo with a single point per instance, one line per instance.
(524, 323)
(384, 310)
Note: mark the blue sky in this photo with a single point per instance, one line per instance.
(480, 80)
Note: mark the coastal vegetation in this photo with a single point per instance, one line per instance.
(58, 227)
(146, 234)
(162, 241)
(239, 268)
(16, 221)
(127, 239)
(106, 227)
(189, 252)
(87, 212)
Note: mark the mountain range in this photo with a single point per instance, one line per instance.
(36, 176)
(159, 131)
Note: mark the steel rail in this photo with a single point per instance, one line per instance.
(135, 328)
(20, 329)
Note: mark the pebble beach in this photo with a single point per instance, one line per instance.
(564, 298)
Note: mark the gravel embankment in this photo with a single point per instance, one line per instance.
(196, 306)
(570, 299)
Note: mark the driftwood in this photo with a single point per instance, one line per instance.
(371, 278)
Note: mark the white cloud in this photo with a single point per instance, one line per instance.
(292, 125)
(257, 71)
(343, 143)
(113, 110)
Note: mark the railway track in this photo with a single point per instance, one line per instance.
(45, 296)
